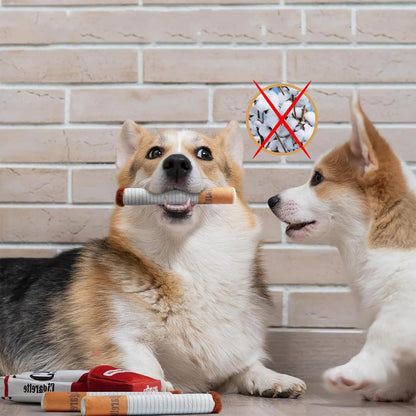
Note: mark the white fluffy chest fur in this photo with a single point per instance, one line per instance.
(382, 276)
(218, 332)
(219, 327)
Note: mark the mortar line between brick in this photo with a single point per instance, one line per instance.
(181, 86)
(285, 307)
(35, 246)
(67, 106)
(284, 66)
(312, 288)
(354, 26)
(317, 330)
(278, 166)
(211, 104)
(270, 46)
(303, 22)
(69, 190)
(283, 233)
(140, 65)
(297, 246)
(110, 126)
(197, 7)
(55, 206)
(48, 245)
(62, 165)
(161, 124)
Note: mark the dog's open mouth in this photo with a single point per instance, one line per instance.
(298, 226)
(178, 211)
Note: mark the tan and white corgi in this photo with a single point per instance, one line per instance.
(362, 199)
(175, 292)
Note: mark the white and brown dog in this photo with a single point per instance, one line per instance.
(362, 199)
(174, 292)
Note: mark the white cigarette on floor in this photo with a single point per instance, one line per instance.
(71, 401)
(141, 196)
(30, 386)
(174, 404)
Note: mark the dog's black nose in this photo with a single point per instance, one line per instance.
(177, 166)
(274, 201)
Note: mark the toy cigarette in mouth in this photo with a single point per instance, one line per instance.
(175, 200)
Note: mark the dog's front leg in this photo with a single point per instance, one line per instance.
(261, 381)
(140, 358)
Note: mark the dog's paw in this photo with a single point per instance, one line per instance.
(345, 377)
(389, 395)
(283, 386)
(264, 382)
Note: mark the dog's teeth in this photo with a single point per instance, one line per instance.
(186, 206)
(177, 207)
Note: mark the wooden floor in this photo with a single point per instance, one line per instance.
(316, 402)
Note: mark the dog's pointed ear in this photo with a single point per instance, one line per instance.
(127, 142)
(233, 142)
(360, 143)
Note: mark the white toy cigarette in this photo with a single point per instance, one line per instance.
(71, 402)
(30, 387)
(174, 404)
(140, 196)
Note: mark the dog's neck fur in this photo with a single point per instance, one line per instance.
(223, 235)
(372, 270)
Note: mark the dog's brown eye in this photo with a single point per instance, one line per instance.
(317, 178)
(203, 153)
(154, 152)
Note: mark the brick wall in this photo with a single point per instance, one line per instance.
(72, 70)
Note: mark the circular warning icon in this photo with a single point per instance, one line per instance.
(282, 119)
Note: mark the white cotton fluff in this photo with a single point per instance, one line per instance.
(282, 131)
(302, 102)
(304, 133)
(292, 123)
(254, 124)
(292, 95)
(288, 142)
(257, 138)
(262, 106)
(263, 131)
(275, 146)
(301, 135)
(310, 118)
(271, 120)
(297, 112)
(308, 132)
(285, 106)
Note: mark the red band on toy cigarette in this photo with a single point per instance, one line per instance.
(217, 400)
(6, 386)
(119, 197)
